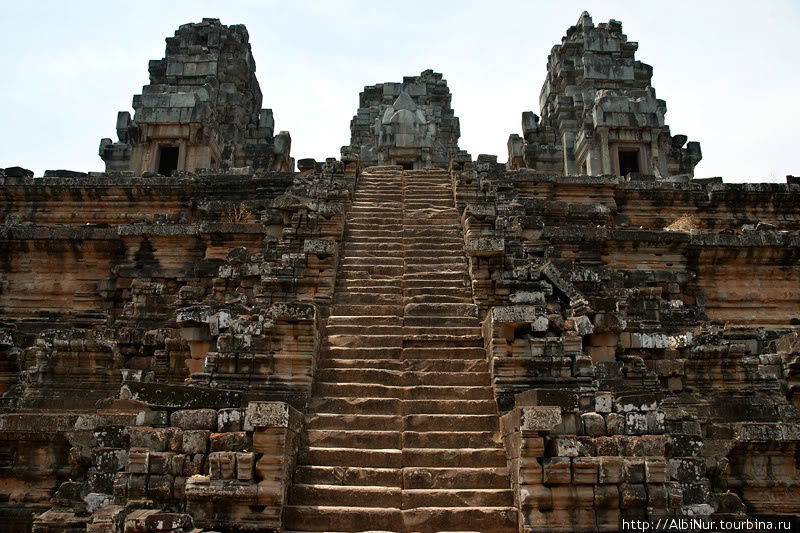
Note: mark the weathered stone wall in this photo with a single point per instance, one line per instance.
(641, 337)
(203, 101)
(219, 280)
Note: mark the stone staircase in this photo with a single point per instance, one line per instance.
(403, 428)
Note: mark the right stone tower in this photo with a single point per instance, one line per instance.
(600, 114)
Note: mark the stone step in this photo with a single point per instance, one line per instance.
(308, 518)
(407, 457)
(342, 329)
(433, 298)
(401, 378)
(443, 422)
(443, 406)
(443, 341)
(391, 248)
(357, 476)
(375, 458)
(431, 241)
(366, 310)
(455, 283)
(440, 321)
(451, 439)
(353, 496)
(364, 320)
(454, 458)
(449, 519)
(454, 478)
(441, 310)
(417, 232)
(478, 497)
(374, 222)
(379, 390)
(373, 232)
(378, 286)
(371, 298)
(355, 422)
(356, 405)
(435, 266)
(455, 258)
(397, 406)
(448, 275)
(344, 438)
(357, 261)
(363, 353)
(395, 439)
(455, 352)
(330, 487)
(367, 271)
(365, 341)
(476, 366)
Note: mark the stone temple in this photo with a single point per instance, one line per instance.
(408, 339)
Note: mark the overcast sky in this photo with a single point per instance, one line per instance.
(728, 70)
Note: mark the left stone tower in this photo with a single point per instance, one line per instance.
(202, 109)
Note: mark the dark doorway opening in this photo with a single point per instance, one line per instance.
(408, 166)
(167, 160)
(628, 162)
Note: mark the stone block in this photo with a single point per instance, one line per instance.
(194, 465)
(610, 470)
(245, 465)
(138, 461)
(635, 423)
(633, 470)
(563, 447)
(632, 496)
(159, 486)
(159, 462)
(230, 420)
(655, 470)
(603, 402)
(626, 403)
(593, 424)
(584, 470)
(606, 496)
(615, 424)
(606, 446)
(557, 470)
(269, 414)
(236, 441)
(687, 469)
(154, 439)
(194, 419)
(195, 441)
(222, 465)
(539, 418)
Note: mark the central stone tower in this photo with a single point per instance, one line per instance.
(410, 124)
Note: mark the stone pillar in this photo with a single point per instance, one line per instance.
(605, 154)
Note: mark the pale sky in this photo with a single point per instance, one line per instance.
(728, 70)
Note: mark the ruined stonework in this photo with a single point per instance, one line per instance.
(410, 124)
(600, 115)
(202, 109)
(470, 346)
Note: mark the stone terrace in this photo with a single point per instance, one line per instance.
(582, 335)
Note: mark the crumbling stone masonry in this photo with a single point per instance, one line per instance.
(202, 109)
(434, 344)
(600, 115)
(410, 124)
